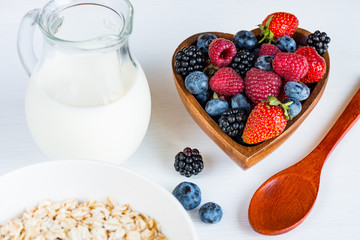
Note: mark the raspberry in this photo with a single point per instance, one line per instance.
(269, 49)
(221, 52)
(290, 66)
(226, 81)
(260, 84)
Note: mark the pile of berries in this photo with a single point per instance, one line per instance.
(247, 84)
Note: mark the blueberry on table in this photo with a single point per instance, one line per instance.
(210, 213)
(297, 90)
(245, 40)
(215, 107)
(196, 82)
(295, 107)
(286, 44)
(264, 62)
(188, 194)
(204, 40)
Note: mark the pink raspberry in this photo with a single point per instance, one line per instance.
(221, 52)
(269, 49)
(290, 66)
(226, 81)
(260, 84)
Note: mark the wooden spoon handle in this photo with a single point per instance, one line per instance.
(346, 120)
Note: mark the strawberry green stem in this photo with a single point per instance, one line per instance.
(273, 101)
(265, 31)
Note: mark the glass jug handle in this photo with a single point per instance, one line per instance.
(25, 40)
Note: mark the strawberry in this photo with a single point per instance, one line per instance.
(267, 120)
(317, 64)
(259, 84)
(290, 66)
(226, 81)
(277, 25)
(269, 49)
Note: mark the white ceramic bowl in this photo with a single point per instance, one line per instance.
(85, 180)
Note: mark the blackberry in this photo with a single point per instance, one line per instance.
(319, 40)
(242, 62)
(232, 122)
(189, 162)
(189, 59)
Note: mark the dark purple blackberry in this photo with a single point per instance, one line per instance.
(232, 122)
(189, 162)
(242, 62)
(189, 59)
(319, 40)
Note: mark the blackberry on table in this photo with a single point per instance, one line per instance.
(189, 162)
(232, 122)
(242, 62)
(189, 59)
(319, 40)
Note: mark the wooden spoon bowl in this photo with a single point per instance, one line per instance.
(246, 156)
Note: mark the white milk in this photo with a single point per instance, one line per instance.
(85, 106)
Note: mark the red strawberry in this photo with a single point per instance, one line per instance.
(317, 64)
(226, 81)
(269, 49)
(266, 120)
(259, 84)
(290, 66)
(221, 51)
(277, 25)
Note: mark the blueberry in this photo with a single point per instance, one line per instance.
(240, 101)
(295, 107)
(203, 97)
(188, 194)
(196, 82)
(210, 213)
(297, 90)
(264, 62)
(245, 40)
(286, 44)
(216, 106)
(204, 41)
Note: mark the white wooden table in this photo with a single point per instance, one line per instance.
(160, 25)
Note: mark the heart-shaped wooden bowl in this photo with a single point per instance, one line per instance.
(242, 155)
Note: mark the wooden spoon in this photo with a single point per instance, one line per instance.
(284, 201)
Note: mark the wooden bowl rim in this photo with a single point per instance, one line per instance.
(243, 155)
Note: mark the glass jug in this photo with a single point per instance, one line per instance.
(87, 97)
